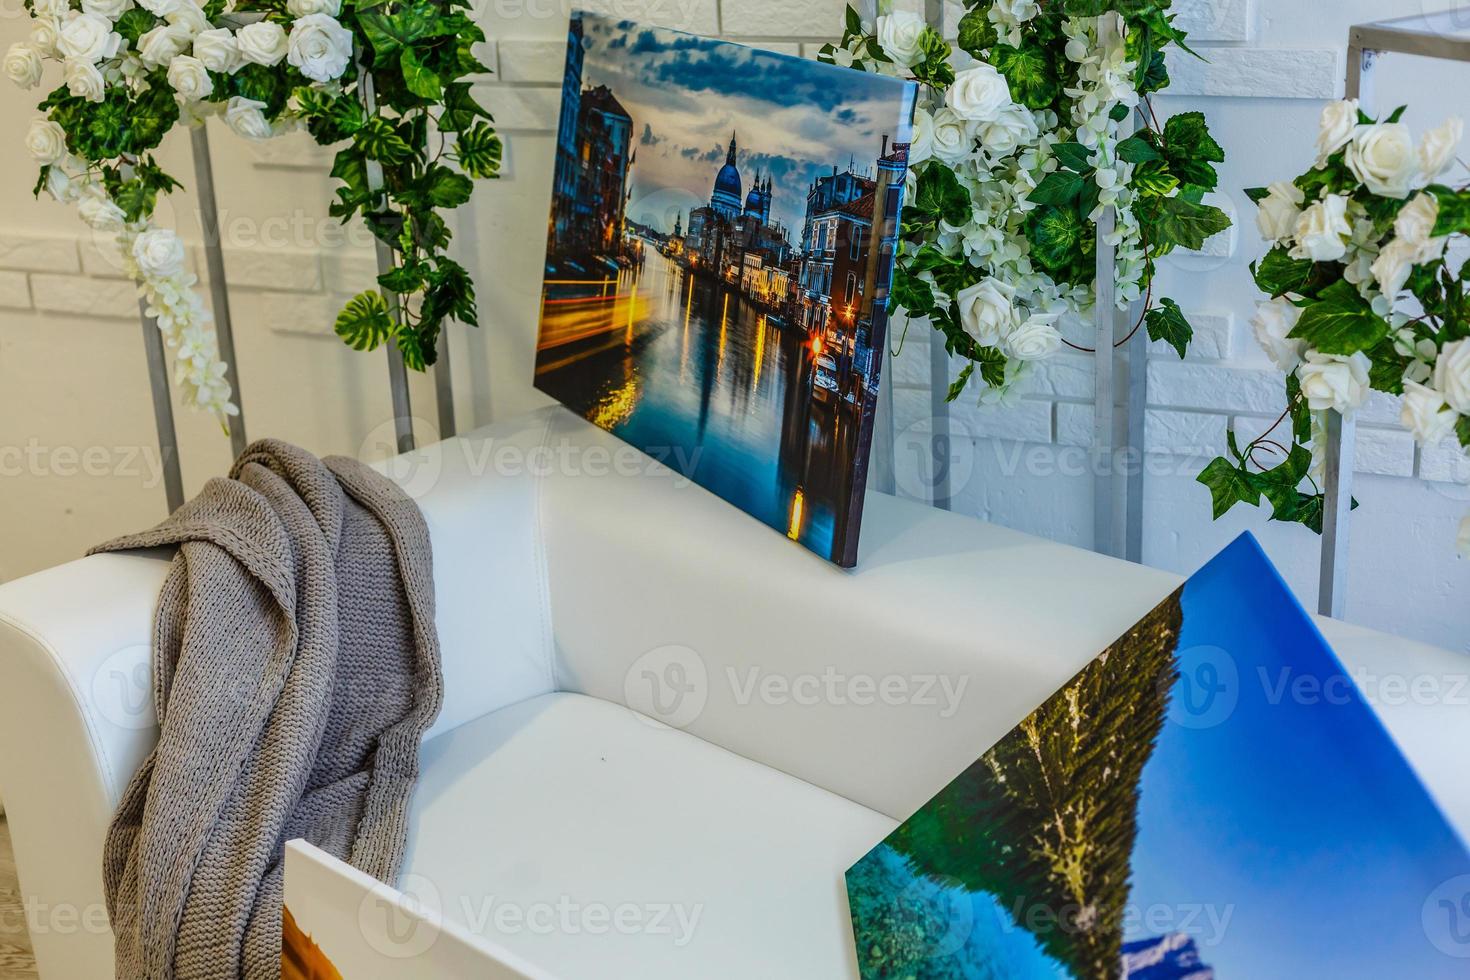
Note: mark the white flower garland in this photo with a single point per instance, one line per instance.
(984, 271)
(95, 57)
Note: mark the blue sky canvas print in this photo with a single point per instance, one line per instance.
(1209, 799)
(719, 253)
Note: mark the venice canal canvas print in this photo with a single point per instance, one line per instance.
(718, 259)
(1209, 799)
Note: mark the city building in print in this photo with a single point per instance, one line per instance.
(719, 251)
(1189, 806)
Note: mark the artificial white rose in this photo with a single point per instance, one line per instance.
(1036, 339)
(978, 94)
(101, 213)
(159, 253)
(1017, 11)
(1330, 381)
(921, 147)
(45, 141)
(263, 43)
(190, 16)
(44, 33)
(1426, 414)
(953, 138)
(163, 44)
(189, 78)
(1393, 266)
(83, 80)
(320, 48)
(1323, 230)
(111, 9)
(1275, 319)
(23, 64)
(1013, 128)
(1383, 157)
(987, 311)
(245, 118)
(159, 8)
(61, 187)
(1452, 375)
(300, 8)
(901, 35)
(1278, 212)
(1437, 151)
(88, 37)
(1339, 122)
(1415, 225)
(217, 50)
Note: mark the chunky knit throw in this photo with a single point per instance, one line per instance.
(295, 668)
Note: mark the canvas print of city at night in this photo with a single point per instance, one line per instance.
(718, 260)
(1209, 799)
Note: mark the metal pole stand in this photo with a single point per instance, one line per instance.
(219, 291)
(1444, 35)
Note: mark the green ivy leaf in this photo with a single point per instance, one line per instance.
(1060, 188)
(404, 279)
(1058, 237)
(1462, 430)
(1191, 149)
(379, 141)
(461, 111)
(934, 68)
(479, 151)
(992, 363)
(445, 188)
(418, 78)
(910, 293)
(134, 23)
(1031, 73)
(1340, 322)
(1277, 273)
(1454, 211)
(1153, 179)
(391, 33)
(1136, 149)
(1229, 485)
(940, 194)
(957, 386)
(1168, 323)
(1073, 156)
(976, 34)
(364, 322)
(1177, 221)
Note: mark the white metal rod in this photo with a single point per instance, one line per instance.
(1341, 436)
(1104, 491)
(444, 388)
(163, 410)
(1337, 510)
(219, 291)
(941, 438)
(397, 372)
(1136, 353)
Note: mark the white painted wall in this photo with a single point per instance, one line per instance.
(76, 424)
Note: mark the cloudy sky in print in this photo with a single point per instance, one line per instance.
(793, 118)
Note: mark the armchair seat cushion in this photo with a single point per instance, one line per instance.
(598, 843)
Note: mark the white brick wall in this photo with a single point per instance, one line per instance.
(1270, 65)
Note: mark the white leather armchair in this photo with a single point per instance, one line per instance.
(585, 599)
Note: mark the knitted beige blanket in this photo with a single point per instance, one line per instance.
(295, 667)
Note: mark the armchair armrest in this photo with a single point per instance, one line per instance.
(76, 717)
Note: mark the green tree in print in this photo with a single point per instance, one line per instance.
(1046, 820)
